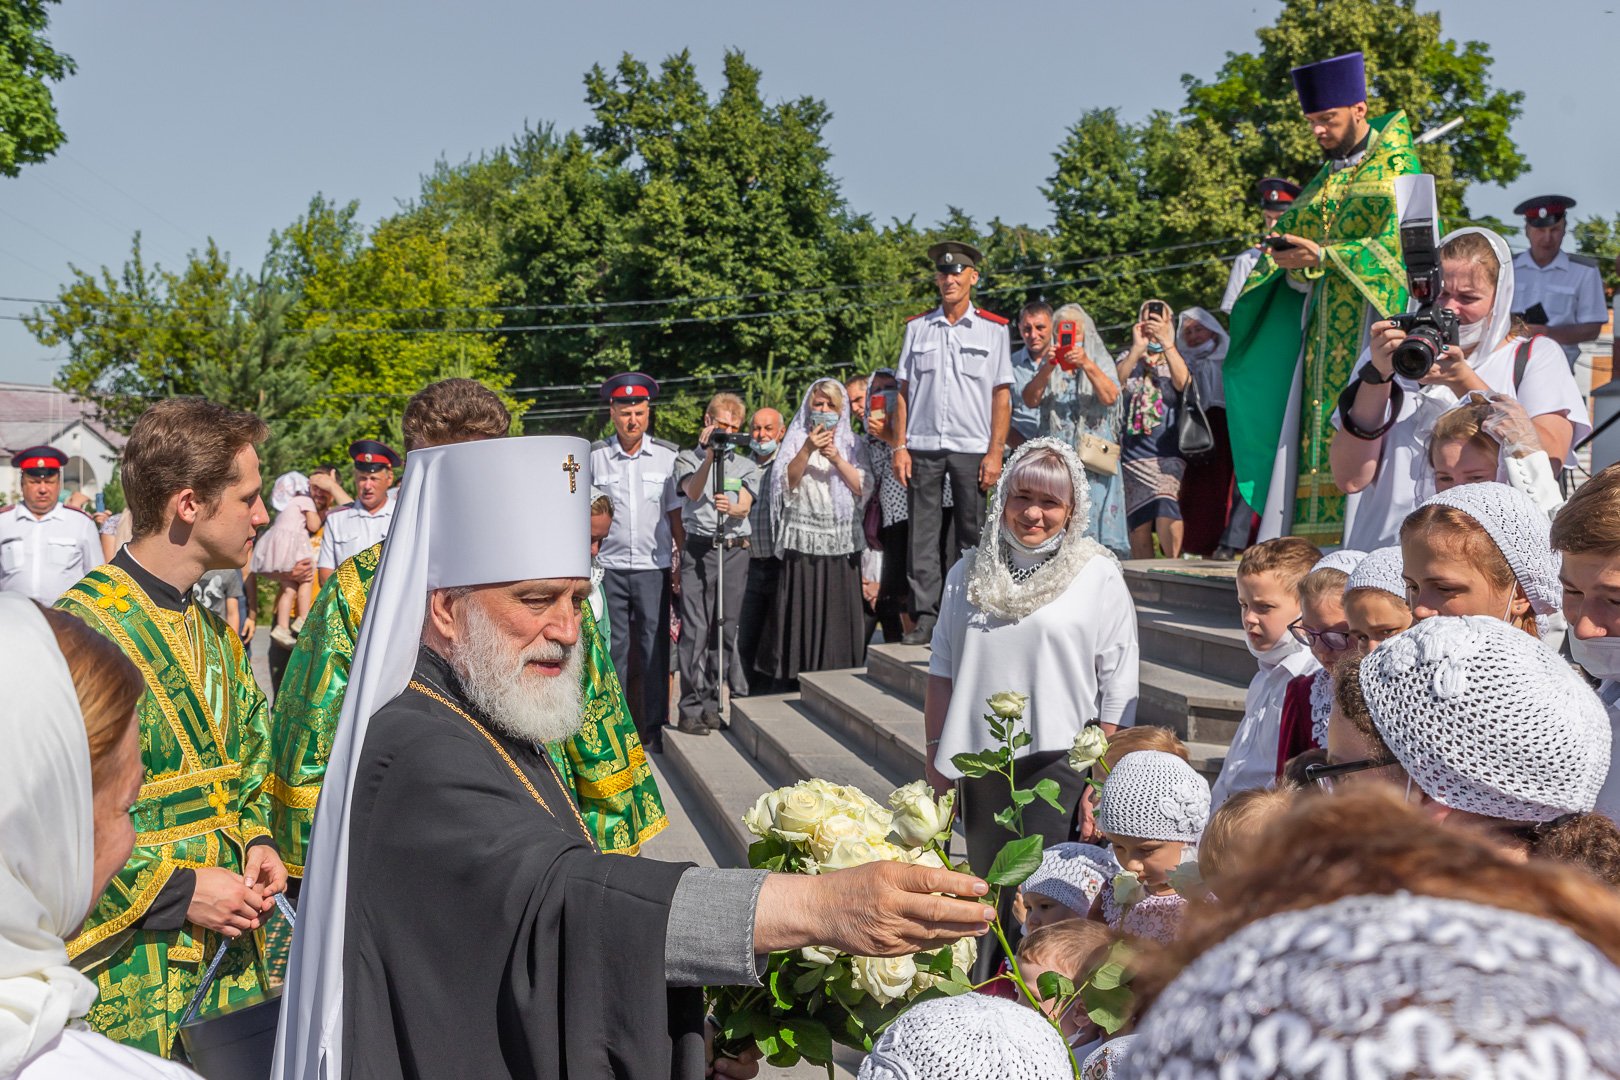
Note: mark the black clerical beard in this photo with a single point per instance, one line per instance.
(1351, 145)
(534, 708)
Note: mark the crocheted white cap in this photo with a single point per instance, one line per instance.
(1388, 986)
(1521, 533)
(1108, 1060)
(1343, 560)
(1487, 719)
(969, 1037)
(1153, 795)
(1380, 570)
(1072, 874)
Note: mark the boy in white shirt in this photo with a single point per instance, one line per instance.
(1268, 597)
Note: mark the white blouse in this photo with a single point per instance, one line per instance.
(77, 1054)
(808, 522)
(1076, 658)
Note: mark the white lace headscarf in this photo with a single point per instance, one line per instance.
(843, 500)
(1384, 988)
(991, 587)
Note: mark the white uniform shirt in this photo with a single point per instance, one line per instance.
(1548, 387)
(1076, 657)
(1570, 292)
(1242, 267)
(42, 557)
(1252, 760)
(642, 487)
(349, 530)
(949, 373)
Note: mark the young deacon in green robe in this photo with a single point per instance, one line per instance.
(604, 765)
(204, 866)
(1306, 307)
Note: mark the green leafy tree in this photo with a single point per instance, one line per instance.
(29, 131)
(1599, 237)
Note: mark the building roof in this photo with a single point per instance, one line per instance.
(32, 415)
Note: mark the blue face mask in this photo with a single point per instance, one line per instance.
(764, 447)
(823, 419)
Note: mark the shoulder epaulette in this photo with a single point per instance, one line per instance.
(8, 509)
(919, 315)
(599, 444)
(999, 320)
(1585, 260)
(666, 444)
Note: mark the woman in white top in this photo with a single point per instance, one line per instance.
(1041, 609)
(70, 772)
(819, 490)
(1380, 453)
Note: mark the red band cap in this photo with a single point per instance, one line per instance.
(39, 463)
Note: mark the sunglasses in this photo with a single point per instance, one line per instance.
(1335, 640)
(1323, 775)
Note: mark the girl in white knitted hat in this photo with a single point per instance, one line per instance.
(1490, 729)
(1322, 628)
(1153, 810)
(1481, 549)
(1375, 600)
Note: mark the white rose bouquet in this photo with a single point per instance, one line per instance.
(815, 997)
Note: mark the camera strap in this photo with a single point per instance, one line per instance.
(1347, 399)
(1521, 360)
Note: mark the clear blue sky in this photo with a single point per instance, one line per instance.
(196, 118)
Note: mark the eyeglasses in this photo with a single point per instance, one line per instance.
(1335, 640)
(1323, 775)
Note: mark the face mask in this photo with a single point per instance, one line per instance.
(1044, 548)
(823, 419)
(1471, 334)
(764, 447)
(1277, 653)
(1599, 656)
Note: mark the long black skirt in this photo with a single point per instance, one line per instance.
(817, 621)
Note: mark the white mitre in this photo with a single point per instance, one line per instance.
(447, 531)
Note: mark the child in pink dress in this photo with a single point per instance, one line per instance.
(283, 546)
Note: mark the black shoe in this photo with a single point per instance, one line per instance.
(921, 634)
(692, 727)
(711, 720)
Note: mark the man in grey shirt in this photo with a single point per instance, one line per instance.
(1035, 327)
(717, 529)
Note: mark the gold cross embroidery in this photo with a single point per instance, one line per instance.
(113, 597)
(572, 467)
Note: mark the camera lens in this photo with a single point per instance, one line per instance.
(1416, 355)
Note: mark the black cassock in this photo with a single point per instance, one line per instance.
(485, 937)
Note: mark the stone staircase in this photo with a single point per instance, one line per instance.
(864, 726)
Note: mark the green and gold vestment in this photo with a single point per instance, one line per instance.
(605, 763)
(205, 730)
(1352, 214)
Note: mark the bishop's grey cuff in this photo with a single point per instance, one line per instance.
(710, 938)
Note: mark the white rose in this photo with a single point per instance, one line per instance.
(964, 952)
(760, 819)
(1127, 888)
(832, 831)
(1089, 747)
(819, 955)
(1009, 704)
(798, 813)
(1187, 880)
(859, 852)
(918, 818)
(877, 821)
(885, 978)
(927, 858)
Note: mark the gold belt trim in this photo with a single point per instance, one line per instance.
(187, 831)
(198, 778)
(137, 907)
(620, 781)
(299, 798)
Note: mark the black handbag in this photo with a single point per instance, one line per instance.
(1194, 436)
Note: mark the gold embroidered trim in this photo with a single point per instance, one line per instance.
(118, 924)
(353, 589)
(299, 798)
(180, 781)
(426, 691)
(621, 781)
(186, 832)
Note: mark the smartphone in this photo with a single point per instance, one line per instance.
(1067, 334)
(1156, 307)
(1535, 314)
(101, 503)
(1277, 243)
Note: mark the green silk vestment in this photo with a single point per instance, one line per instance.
(205, 730)
(604, 764)
(1352, 215)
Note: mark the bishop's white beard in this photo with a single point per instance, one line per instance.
(535, 708)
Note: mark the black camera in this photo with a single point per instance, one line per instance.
(727, 440)
(1430, 328)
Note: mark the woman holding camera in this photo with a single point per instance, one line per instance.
(1154, 376)
(1384, 418)
(819, 489)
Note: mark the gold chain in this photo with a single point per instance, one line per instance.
(427, 691)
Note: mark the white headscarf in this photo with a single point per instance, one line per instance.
(991, 586)
(843, 499)
(47, 851)
(446, 532)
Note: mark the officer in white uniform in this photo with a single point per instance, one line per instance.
(44, 546)
(1276, 197)
(352, 528)
(955, 408)
(637, 472)
(1568, 287)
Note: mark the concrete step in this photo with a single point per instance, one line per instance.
(1202, 585)
(722, 784)
(1203, 642)
(1207, 758)
(1193, 705)
(789, 744)
(883, 727)
(901, 668)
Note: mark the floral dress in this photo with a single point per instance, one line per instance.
(1154, 918)
(1070, 410)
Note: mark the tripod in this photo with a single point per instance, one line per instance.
(717, 480)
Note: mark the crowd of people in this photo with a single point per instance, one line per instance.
(1405, 866)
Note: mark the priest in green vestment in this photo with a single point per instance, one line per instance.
(605, 764)
(204, 868)
(1299, 325)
